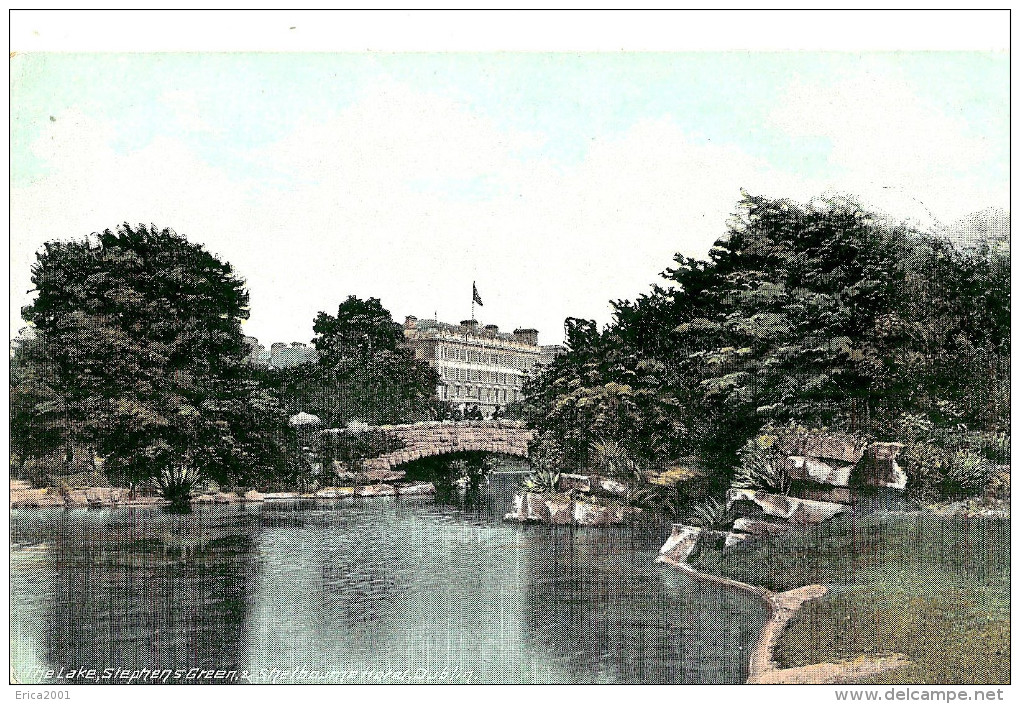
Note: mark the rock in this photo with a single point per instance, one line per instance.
(19, 485)
(801, 511)
(838, 494)
(746, 525)
(281, 496)
(76, 498)
(28, 498)
(589, 514)
(817, 471)
(418, 489)
(334, 492)
(680, 544)
(611, 486)
(577, 482)
(880, 467)
(226, 498)
(827, 446)
(376, 490)
(204, 499)
(810, 512)
(533, 507)
(254, 496)
(734, 540)
(559, 510)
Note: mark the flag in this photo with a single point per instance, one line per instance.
(474, 294)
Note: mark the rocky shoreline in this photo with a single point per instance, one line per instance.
(23, 496)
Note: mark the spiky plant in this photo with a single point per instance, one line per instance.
(762, 467)
(710, 514)
(542, 481)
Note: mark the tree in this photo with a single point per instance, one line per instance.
(365, 372)
(821, 314)
(37, 412)
(143, 335)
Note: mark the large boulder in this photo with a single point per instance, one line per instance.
(815, 470)
(843, 447)
(794, 510)
(612, 486)
(281, 496)
(752, 527)
(335, 492)
(559, 508)
(590, 514)
(838, 494)
(680, 543)
(880, 467)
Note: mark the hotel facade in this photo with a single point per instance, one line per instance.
(477, 365)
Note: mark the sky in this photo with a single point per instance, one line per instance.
(558, 181)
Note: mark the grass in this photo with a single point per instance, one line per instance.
(933, 588)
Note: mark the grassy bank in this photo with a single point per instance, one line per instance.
(933, 588)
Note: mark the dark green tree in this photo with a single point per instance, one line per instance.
(364, 371)
(822, 314)
(143, 335)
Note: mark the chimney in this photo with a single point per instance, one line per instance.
(410, 322)
(527, 336)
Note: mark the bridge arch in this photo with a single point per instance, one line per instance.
(422, 440)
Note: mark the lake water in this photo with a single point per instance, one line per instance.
(412, 589)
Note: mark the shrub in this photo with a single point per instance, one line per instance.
(542, 481)
(763, 467)
(711, 514)
(938, 474)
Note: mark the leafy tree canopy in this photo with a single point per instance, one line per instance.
(143, 341)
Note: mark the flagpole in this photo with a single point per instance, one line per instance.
(472, 300)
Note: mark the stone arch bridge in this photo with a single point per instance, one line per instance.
(422, 440)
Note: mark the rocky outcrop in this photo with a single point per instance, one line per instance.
(680, 544)
(376, 490)
(335, 492)
(842, 447)
(815, 470)
(792, 509)
(752, 527)
(564, 509)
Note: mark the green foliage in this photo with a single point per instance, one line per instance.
(821, 314)
(364, 371)
(542, 481)
(710, 514)
(138, 340)
(947, 464)
(938, 474)
(763, 467)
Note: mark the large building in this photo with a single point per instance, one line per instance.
(477, 365)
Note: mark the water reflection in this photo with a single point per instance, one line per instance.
(131, 589)
(353, 587)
